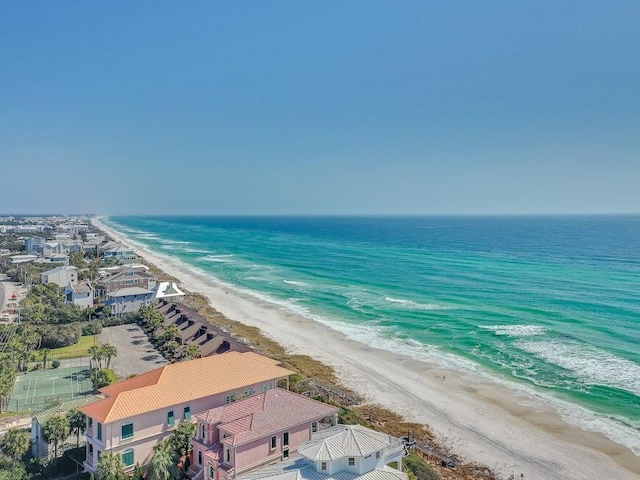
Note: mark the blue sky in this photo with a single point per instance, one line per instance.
(313, 107)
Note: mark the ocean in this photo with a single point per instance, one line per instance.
(546, 305)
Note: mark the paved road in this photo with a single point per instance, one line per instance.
(135, 354)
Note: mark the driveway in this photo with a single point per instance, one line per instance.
(135, 354)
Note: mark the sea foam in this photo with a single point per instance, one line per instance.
(516, 330)
(589, 364)
(411, 305)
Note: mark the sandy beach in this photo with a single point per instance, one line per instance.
(480, 420)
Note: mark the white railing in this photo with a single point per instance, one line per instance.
(394, 450)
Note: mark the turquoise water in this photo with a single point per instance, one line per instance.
(548, 305)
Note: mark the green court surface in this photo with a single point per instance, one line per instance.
(41, 389)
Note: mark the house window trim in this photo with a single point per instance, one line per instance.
(171, 418)
(99, 431)
(230, 398)
(351, 461)
(212, 471)
(286, 435)
(314, 427)
(323, 466)
(273, 443)
(133, 457)
(125, 424)
(203, 432)
(228, 456)
(186, 413)
(199, 457)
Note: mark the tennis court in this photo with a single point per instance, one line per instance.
(42, 389)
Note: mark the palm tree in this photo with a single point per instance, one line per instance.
(56, 430)
(77, 423)
(14, 444)
(162, 465)
(96, 356)
(45, 356)
(110, 467)
(109, 351)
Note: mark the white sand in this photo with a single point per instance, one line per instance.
(483, 422)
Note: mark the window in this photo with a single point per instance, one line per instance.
(212, 472)
(314, 427)
(248, 392)
(126, 431)
(90, 455)
(199, 457)
(203, 432)
(228, 455)
(352, 461)
(171, 419)
(274, 442)
(187, 413)
(267, 386)
(127, 458)
(285, 453)
(285, 439)
(230, 398)
(377, 455)
(323, 466)
(99, 432)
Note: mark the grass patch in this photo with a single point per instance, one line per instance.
(80, 349)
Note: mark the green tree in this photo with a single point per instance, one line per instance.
(190, 352)
(45, 357)
(162, 465)
(97, 355)
(56, 430)
(108, 352)
(15, 444)
(77, 423)
(110, 467)
(103, 377)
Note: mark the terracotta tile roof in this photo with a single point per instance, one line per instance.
(182, 383)
(265, 414)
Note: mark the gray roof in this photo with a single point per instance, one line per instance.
(299, 469)
(125, 292)
(345, 441)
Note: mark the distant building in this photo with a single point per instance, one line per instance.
(80, 294)
(128, 299)
(61, 276)
(59, 258)
(119, 252)
(141, 411)
(116, 278)
(256, 431)
(34, 244)
(23, 258)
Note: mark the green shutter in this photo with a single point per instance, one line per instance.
(99, 431)
(171, 420)
(127, 431)
(187, 413)
(127, 458)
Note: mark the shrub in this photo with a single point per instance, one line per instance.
(56, 336)
(91, 328)
(123, 320)
(55, 364)
(415, 464)
(104, 377)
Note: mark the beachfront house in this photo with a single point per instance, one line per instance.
(119, 252)
(128, 300)
(117, 278)
(264, 428)
(140, 411)
(80, 294)
(61, 276)
(345, 452)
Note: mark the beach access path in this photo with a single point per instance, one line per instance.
(481, 420)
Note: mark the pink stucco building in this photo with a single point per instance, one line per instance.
(137, 413)
(254, 432)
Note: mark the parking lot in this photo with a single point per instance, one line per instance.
(135, 354)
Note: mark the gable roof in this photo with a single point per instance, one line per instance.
(345, 441)
(265, 414)
(184, 382)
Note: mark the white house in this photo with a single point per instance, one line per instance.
(345, 452)
(61, 276)
(80, 294)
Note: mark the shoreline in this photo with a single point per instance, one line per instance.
(480, 420)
